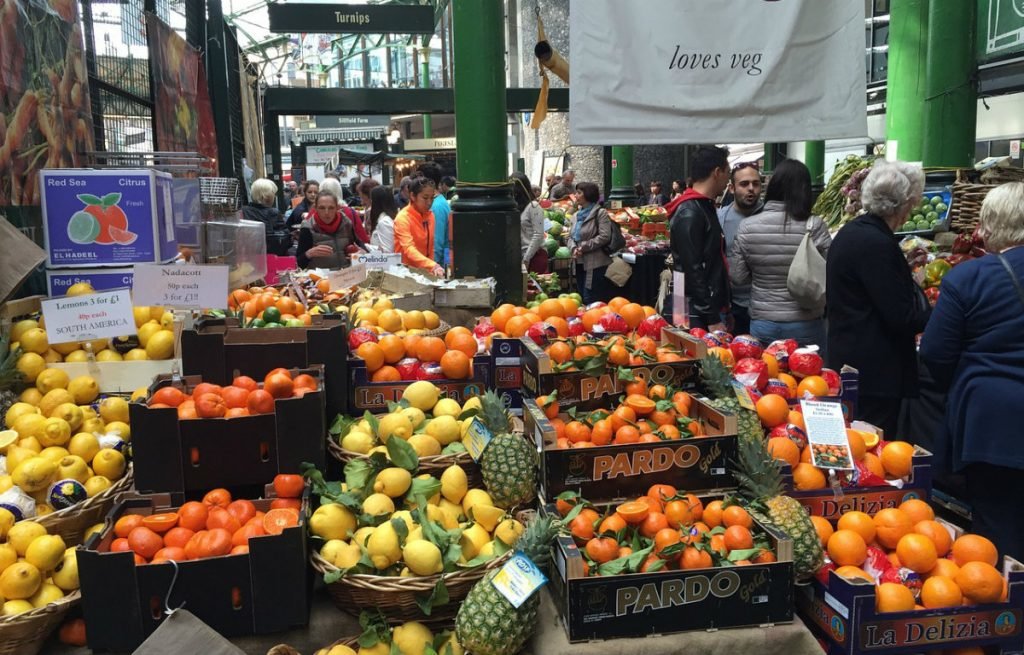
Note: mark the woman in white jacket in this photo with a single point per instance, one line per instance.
(763, 251)
(381, 219)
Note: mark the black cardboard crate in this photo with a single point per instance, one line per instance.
(507, 371)
(665, 602)
(374, 396)
(265, 591)
(612, 472)
(218, 350)
(196, 455)
(583, 391)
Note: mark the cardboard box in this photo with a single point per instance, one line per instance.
(508, 372)
(107, 217)
(197, 455)
(19, 308)
(264, 591)
(625, 471)
(58, 281)
(584, 391)
(217, 349)
(665, 602)
(477, 294)
(374, 397)
(843, 615)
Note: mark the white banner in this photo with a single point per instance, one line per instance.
(721, 71)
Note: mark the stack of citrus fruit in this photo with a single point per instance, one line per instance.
(953, 570)
(567, 317)
(243, 397)
(268, 307)
(392, 358)
(662, 531)
(36, 568)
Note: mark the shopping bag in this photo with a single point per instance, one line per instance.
(806, 279)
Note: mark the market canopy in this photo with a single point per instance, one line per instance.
(354, 158)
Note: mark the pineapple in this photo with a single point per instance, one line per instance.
(509, 464)
(487, 624)
(760, 488)
(718, 385)
(11, 379)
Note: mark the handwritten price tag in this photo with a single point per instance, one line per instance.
(826, 434)
(95, 316)
(186, 287)
(347, 277)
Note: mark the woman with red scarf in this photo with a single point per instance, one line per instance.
(326, 237)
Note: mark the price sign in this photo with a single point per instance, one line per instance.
(84, 318)
(378, 261)
(476, 439)
(347, 277)
(186, 287)
(518, 579)
(826, 434)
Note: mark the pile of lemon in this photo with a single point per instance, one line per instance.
(409, 638)
(36, 568)
(381, 316)
(54, 434)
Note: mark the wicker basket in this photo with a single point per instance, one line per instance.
(439, 331)
(433, 465)
(396, 597)
(70, 523)
(24, 634)
(965, 207)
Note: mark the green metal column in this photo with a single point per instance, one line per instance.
(773, 154)
(622, 193)
(905, 87)
(951, 96)
(814, 159)
(485, 222)
(428, 121)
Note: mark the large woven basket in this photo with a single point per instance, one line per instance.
(70, 523)
(439, 331)
(396, 597)
(25, 634)
(965, 207)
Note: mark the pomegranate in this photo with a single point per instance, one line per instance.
(408, 368)
(575, 327)
(835, 383)
(699, 333)
(359, 336)
(483, 328)
(430, 371)
(652, 327)
(805, 361)
(745, 346)
(541, 331)
(781, 350)
(611, 323)
(751, 372)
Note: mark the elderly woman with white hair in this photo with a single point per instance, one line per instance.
(875, 309)
(263, 194)
(973, 346)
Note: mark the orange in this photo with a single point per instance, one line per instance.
(601, 433)
(654, 522)
(812, 384)
(736, 515)
(560, 324)
(569, 307)
(633, 512)
(807, 476)
(633, 314)
(790, 383)
(456, 365)
(622, 415)
(723, 354)
(430, 349)
(783, 449)
(937, 533)
(940, 591)
(980, 582)
(678, 513)
(393, 347)
(145, 542)
(738, 537)
(893, 597)
(847, 548)
(917, 510)
(898, 458)
(617, 303)
(260, 402)
(551, 307)
(171, 396)
(618, 355)
(211, 405)
(582, 527)
(873, 463)
(659, 493)
(772, 409)
(276, 520)
(974, 548)
(916, 552)
(235, 397)
(641, 405)
(280, 385)
(465, 343)
(602, 549)
(890, 525)
(386, 374)
(664, 539)
(713, 513)
(590, 319)
(238, 297)
(584, 352)
(575, 431)
(860, 523)
(823, 528)
(805, 455)
(192, 516)
(160, 523)
(626, 434)
(126, 524)
(177, 537)
(517, 326)
(221, 518)
(857, 446)
(796, 418)
(854, 572)
(612, 524)
(205, 387)
(501, 315)
(560, 352)
(695, 559)
(772, 363)
(946, 567)
(455, 332)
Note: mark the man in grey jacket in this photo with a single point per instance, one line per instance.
(745, 185)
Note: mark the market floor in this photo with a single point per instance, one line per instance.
(327, 624)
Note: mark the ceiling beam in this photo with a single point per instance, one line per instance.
(292, 101)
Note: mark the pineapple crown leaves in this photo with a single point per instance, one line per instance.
(494, 414)
(759, 474)
(716, 376)
(10, 377)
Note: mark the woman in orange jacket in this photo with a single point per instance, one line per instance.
(414, 228)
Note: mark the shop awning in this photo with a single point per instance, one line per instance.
(341, 134)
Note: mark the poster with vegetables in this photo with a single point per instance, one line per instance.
(45, 116)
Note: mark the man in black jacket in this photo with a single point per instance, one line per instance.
(698, 247)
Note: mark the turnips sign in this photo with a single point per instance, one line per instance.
(721, 70)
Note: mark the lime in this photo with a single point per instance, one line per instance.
(273, 325)
(83, 227)
(272, 315)
(294, 322)
(258, 323)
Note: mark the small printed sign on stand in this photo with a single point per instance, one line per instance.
(84, 318)
(378, 261)
(185, 287)
(347, 277)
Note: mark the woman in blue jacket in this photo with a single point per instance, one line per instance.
(974, 344)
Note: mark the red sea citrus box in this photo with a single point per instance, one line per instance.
(107, 217)
(102, 279)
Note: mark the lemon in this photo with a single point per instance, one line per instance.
(30, 443)
(47, 593)
(472, 403)
(17, 454)
(54, 399)
(52, 357)
(114, 409)
(13, 607)
(452, 513)
(412, 638)
(45, 552)
(475, 497)
(340, 650)
(422, 395)
(464, 427)
(393, 482)
(332, 521)
(21, 327)
(431, 320)
(348, 556)
(32, 396)
(416, 416)
(6, 522)
(161, 345)
(56, 432)
(445, 429)
(422, 557)
(415, 534)
(8, 555)
(136, 355)
(425, 445)
(487, 516)
(147, 330)
(120, 429)
(378, 504)
(362, 534)
(65, 349)
(84, 445)
(17, 410)
(141, 315)
(380, 648)
(92, 425)
(98, 527)
(382, 546)
(397, 424)
(357, 442)
(109, 463)
(97, 484)
(329, 551)
(414, 320)
(77, 357)
(167, 320)
(34, 340)
(80, 289)
(451, 647)
(54, 453)
(436, 498)
(473, 539)
(380, 449)
(34, 474)
(509, 531)
(52, 378)
(73, 467)
(406, 517)
(19, 581)
(42, 509)
(71, 413)
(7, 439)
(30, 365)
(65, 575)
(5, 483)
(109, 356)
(447, 407)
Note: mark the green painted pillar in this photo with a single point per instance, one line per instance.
(622, 193)
(814, 159)
(485, 222)
(905, 87)
(773, 154)
(428, 121)
(951, 104)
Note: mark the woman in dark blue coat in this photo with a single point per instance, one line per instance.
(974, 344)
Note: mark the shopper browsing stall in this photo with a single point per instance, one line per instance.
(656, 197)
(565, 187)
(875, 309)
(382, 219)
(262, 210)
(309, 190)
(332, 185)
(745, 184)
(531, 225)
(414, 228)
(763, 252)
(590, 233)
(440, 208)
(325, 235)
(973, 347)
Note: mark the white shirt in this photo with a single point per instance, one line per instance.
(383, 237)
